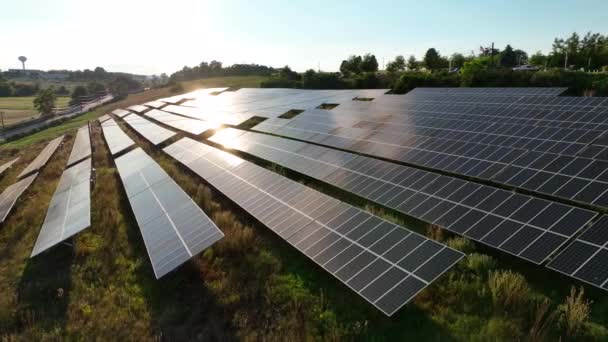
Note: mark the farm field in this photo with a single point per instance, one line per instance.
(17, 109)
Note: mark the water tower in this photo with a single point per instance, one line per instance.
(23, 59)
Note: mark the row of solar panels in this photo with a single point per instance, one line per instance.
(69, 209)
(414, 261)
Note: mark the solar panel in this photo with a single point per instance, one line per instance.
(138, 108)
(82, 146)
(10, 195)
(382, 262)
(525, 226)
(120, 112)
(209, 115)
(104, 117)
(7, 165)
(515, 91)
(149, 130)
(42, 158)
(116, 139)
(155, 104)
(173, 227)
(181, 123)
(586, 258)
(70, 209)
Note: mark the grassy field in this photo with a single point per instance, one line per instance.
(153, 94)
(18, 109)
(251, 285)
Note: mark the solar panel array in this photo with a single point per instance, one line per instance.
(382, 262)
(9, 196)
(104, 117)
(475, 156)
(7, 165)
(117, 140)
(181, 123)
(82, 146)
(121, 112)
(70, 208)
(138, 108)
(513, 91)
(42, 158)
(173, 227)
(525, 226)
(155, 104)
(149, 130)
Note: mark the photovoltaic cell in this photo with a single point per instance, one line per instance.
(10, 195)
(70, 209)
(42, 158)
(149, 130)
(116, 139)
(82, 146)
(361, 250)
(173, 227)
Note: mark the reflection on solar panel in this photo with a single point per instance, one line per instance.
(7, 165)
(11, 194)
(103, 118)
(149, 130)
(525, 226)
(42, 158)
(70, 208)
(209, 115)
(549, 91)
(181, 123)
(120, 112)
(174, 228)
(385, 264)
(82, 146)
(116, 139)
(138, 108)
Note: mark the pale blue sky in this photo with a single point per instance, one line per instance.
(162, 36)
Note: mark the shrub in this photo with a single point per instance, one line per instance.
(510, 291)
(480, 264)
(574, 313)
(462, 244)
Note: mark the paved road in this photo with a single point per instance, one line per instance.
(5, 134)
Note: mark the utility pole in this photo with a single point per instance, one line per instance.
(566, 61)
(492, 54)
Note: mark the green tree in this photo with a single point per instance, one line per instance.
(45, 101)
(95, 87)
(458, 60)
(432, 59)
(77, 95)
(508, 59)
(397, 65)
(412, 63)
(288, 74)
(352, 65)
(538, 58)
(369, 63)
